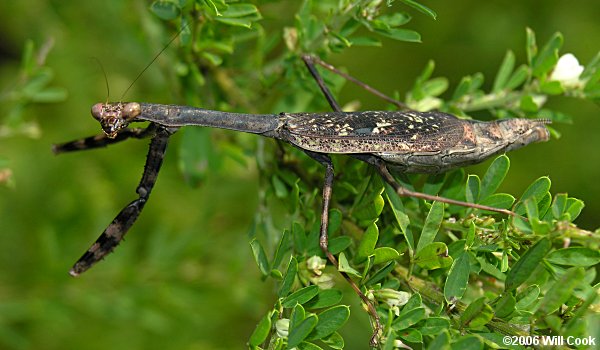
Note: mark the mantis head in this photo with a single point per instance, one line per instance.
(115, 116)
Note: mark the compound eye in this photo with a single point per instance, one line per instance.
(97, 111)
(131, 110)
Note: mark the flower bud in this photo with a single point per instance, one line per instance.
(567, 71)
(282, 327)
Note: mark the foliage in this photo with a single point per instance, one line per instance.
(399, 251)
(439, 275)
(31, 87)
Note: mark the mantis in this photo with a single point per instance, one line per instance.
(409, 141)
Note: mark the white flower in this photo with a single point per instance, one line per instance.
(567, 70)
(393, 298)
(282, 327)
(316, 264)
(325, 281)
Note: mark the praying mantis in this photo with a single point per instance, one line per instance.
(409, 141)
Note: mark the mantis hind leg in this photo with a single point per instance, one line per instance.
(325, 160)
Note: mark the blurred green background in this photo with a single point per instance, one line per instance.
(185, 278)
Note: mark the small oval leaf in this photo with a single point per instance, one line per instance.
(300, 296)
(301, 331)
(528, 262)
(432, 225)
(458, 277)
(330, 321)
(574, 256)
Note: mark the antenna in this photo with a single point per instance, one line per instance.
(105, 77)
(154, 59)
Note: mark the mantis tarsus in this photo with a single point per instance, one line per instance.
(418, 142)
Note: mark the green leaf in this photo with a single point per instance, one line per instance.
(433, 256)
(562, 291)
(214, 59)
(367, 243)
(335, 221)
(28, 63)
(365, 41)
(490, 269)
(325, 298)
(421, 8)
(298, 314)
(472, 189)
(477, 314)
(505, 306)
(458, 277)
(344, 266)
(42, 77)
(412, 335)
(335, 341)
(435, 86)
(280, 188)
(574, 208)
(417, 91)
(527, 297)
(494, 176)
(527, 104)
(531, 47)
(537, 190)
(521, 271)
(370, 207)
(409, 318)
(395, 19)
(300, 296)
(414, 302)
(301, 331)
(338, 244)
(518, 77)
(241, 10)
(235, 22)
(434, 184)
(469, 342)
(503, 75)
(282, 248)
(50, 95)
(552, 87)
(289, 278)
(260, 257)
(385, 254)
(462, 88)
(308, 346)
(559, 205)
(546, 59)
(400, 34)
(442, 342)
(401, 217)
(210, 4)
(299, 237)
(499, 200)
(330, 321)
(261, 331)
(434, 325)
(574, 256)
(381, 274)
(165, 10)
(592, 68)
(432, 225)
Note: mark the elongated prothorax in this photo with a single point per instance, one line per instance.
(117, 115)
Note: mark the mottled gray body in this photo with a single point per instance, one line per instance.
(427, 142)
(414, 142)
